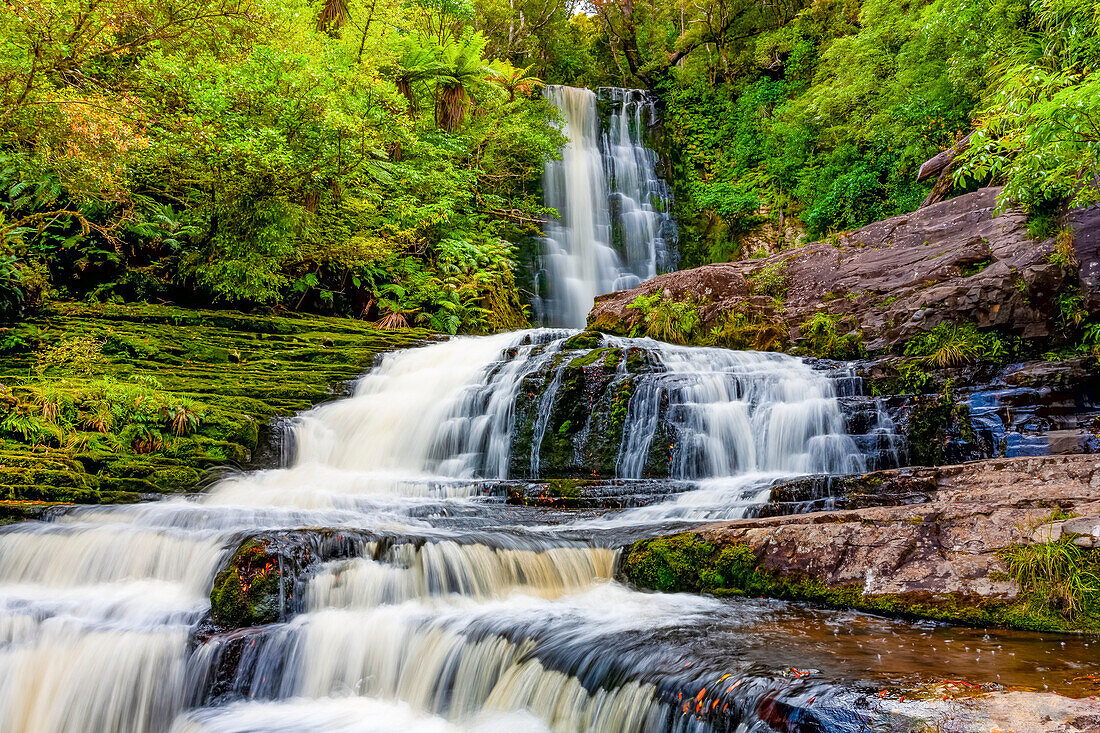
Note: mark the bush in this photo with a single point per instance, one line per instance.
(955, 344)
(821, 337)
(771, 279)
(666, 320)
(1056, 575)
(754, 331)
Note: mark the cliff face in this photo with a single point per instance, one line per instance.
(959, 260)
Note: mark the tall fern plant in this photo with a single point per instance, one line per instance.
(464, 68)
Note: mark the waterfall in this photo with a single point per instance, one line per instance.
(608, 235)
(463, 615)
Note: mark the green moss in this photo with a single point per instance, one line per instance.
(975, 268)
(248, 592)
(583, 341)
(173, 392)
(590, 358)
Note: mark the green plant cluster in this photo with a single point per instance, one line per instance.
(771, 280)
(106, 403)
(1059, 580)
(666, 319)
(824, 335)
(955, 344)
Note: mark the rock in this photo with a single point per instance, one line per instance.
(939, 558)
(259, 584)
(1018, 712)
(1086, 246)
(1066, 441)
(957, 260)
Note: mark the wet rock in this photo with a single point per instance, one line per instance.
(588, 493)
(937, 558)
(955, 260)
(260, 583)
(1033, 712)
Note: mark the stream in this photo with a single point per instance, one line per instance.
(460, 612)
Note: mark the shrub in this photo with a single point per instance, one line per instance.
(82, 355)
(954, 344)
(771, 279)
(666, 320)
(1058, 575)
(740, 329)
(821, 337)
(1063, 252)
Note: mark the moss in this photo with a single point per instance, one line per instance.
(608, 323)
(175, 391)
(248, 591)
(583, 341)
(687, 562)
(592, 357)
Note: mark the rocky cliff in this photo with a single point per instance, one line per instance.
(958, 260)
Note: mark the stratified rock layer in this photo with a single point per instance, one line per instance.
(937, 556)
(958, 260)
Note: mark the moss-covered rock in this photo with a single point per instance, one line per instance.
(163, 394)
(260, 582)
(967, 544)
(688, 562)
(249, 591)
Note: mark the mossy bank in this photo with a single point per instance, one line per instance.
(110, 403)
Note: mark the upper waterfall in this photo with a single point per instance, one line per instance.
(612, 229)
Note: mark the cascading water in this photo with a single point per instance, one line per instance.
(612, 229)
(456, 617)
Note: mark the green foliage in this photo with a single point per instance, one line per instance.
(79, 356)
(1063, 253)
(771, 279)
(1038, 127)
(270, 156)
(822, 336)
(955, 344)
(666, 320)
(746, 329)
(1057, 576)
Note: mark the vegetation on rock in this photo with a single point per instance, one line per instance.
(107, 403)
(686, 562)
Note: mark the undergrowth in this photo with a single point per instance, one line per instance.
(1057, 577)
(955, 344)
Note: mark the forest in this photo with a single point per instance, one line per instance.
(382, 158)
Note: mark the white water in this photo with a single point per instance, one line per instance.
(96, 607)
(601, 180)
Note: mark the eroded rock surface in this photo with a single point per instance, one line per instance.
(955, 260)
(936, 556)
